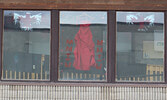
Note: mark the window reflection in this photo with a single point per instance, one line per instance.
(26, 45)
(82, 45)
(140, 46)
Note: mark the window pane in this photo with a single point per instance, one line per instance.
(140, 46)
(82, 47)
(26, 45)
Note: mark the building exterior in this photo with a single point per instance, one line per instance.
(83, 50)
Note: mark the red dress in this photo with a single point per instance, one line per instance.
(84, 49)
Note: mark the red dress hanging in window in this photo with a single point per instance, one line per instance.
(84, 49)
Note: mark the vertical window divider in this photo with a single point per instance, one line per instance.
(54, 45)
(111, 46)
(165, 46)
(1, 36)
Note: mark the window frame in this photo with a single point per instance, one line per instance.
(111, 48)
(1, 47)
(165, 51)
(107, 57)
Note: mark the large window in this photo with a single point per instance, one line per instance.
(140, 46)
(83, 45)
(26, 45)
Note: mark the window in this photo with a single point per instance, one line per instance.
(83, 45)
(26, 45)
(140, 46)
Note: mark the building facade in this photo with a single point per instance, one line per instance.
(83, 50)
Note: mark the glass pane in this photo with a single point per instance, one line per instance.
(26, 45)
(82, 47)
(140, 46)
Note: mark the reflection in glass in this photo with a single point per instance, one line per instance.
(140, 46)
(82, 45)
(26, 45)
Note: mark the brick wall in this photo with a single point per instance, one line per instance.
(34, 92)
